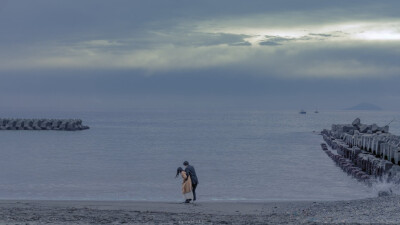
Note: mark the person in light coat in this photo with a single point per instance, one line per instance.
(186, 185)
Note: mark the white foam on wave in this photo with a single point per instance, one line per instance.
(385, 186)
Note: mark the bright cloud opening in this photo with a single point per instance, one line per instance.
(387, 35)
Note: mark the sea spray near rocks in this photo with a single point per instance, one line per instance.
(42, 124)
(384, 186)
(367, 152)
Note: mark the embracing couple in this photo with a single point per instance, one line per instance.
(189, 183)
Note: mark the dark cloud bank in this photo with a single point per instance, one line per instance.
(254, 82)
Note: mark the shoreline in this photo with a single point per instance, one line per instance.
(363, 211)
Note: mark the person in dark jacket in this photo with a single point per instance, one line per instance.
(192, 173)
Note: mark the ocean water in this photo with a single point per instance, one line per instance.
(238, 155)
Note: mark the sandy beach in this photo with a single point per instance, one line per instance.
(382, 210)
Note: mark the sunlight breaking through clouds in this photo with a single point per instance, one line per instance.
(344, 32)
(380, 35)
(255, 43)
(279, 52)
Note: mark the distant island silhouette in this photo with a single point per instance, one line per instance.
(365, 106)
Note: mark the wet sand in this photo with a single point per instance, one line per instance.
(382, 210)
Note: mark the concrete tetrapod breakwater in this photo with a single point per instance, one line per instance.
(42, 124)
(364, 151)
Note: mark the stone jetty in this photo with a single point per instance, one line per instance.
(364, 151)
(42, 124)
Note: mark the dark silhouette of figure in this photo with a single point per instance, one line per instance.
(190, 171)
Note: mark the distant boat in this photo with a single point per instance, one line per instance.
(316, 111)
(303, 112)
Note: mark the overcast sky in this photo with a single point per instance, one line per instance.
(100, 54)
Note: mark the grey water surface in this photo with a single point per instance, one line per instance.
(238, 155)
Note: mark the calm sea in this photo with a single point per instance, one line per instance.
(238, 155)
